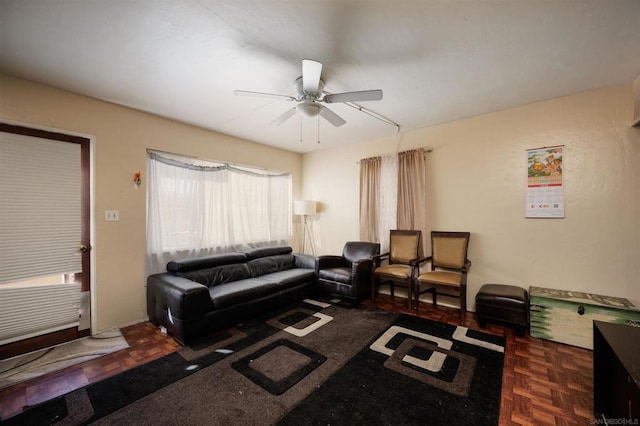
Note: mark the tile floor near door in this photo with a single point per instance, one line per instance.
(544, 383)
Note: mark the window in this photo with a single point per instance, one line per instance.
(198, 207)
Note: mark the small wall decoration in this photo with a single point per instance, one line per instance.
(545, 190)
(137, 180)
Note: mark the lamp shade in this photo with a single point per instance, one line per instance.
(305, 208)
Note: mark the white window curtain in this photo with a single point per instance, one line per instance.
(387, 209)
(197, 207)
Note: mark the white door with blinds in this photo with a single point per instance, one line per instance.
(41, 235)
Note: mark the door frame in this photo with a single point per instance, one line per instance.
(87, 233)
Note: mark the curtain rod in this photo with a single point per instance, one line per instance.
(370, 113)
(374, 115)
(424, 150)
(227, 163)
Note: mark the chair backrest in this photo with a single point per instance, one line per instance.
(449, 249)
(356, 250)
(404, 246)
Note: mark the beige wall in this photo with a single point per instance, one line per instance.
(121, 137)
(477, 181)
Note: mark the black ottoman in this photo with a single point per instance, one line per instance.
(505, 303)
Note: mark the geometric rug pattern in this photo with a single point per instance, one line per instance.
(315, 362)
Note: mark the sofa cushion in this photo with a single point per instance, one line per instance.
(267, 251)
(291, 277)
(253, 288)
(218, 275)
(340, 274)
(193, 264)
(270, 264)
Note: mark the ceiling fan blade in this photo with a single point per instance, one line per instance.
(311, 71)
(364, 95)
(331, 117)
(263, 95)
(284, 117)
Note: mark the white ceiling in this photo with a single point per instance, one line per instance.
(436, 61)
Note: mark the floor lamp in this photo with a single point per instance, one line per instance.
(304, 209)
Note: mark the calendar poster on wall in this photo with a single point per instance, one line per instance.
(545, 191)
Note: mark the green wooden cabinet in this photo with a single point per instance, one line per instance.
(567, 316)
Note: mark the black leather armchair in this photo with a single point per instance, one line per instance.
(348, 275)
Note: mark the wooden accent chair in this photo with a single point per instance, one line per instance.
(402, 254)
(449, 266)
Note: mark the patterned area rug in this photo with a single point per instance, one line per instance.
(38, 363)
(314, 363)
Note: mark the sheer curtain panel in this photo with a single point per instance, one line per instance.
(197, 207)
(388, 200)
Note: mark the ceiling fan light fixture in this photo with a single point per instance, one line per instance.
(309, 109)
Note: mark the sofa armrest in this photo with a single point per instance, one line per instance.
(180, 297)
(377, 259)
(361, 266)
(324, 262)
(361, 278)
(305, 261)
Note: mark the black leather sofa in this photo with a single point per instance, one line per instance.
(199, 296)
(348, 275)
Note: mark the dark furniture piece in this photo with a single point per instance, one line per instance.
(449, 266)
(348, 275)
(404, 246)
(616, 372)
(199, 296)
(504, 303)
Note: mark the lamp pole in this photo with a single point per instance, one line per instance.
(304, 234)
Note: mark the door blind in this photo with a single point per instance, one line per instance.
(34, 310)
(40, 214)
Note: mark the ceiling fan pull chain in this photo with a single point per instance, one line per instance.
(318, 128)
(300, 129)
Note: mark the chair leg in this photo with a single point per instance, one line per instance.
(482, 322)
(373, 289)
(463, 304)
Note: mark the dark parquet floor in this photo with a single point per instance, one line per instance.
(544, 383)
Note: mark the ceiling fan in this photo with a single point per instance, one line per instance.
(310, 95)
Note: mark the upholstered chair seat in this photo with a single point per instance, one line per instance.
(441, 277)
(399, 271)
(340, 274)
